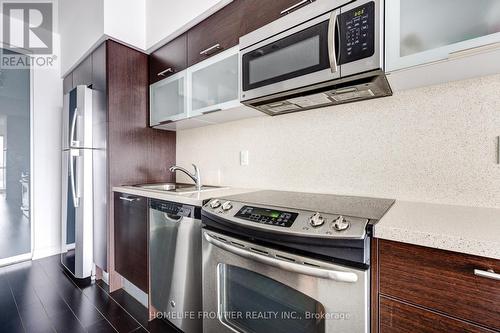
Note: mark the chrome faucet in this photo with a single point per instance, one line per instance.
(194, 176)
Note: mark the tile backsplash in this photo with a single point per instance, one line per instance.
(432, 144)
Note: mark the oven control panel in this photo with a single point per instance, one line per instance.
(273, 217)
(287, 220)
(357, 33)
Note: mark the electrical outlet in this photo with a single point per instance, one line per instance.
(244, 158)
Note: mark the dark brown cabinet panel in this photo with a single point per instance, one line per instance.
(131, 239)
(68, 83)
(82, 75)
(440, 280)
(398, 317)
(222, 28)
(257, 13)
(137, 153)
(169, 59)
(99, 68)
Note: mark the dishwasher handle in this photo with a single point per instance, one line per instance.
(339, 276)
(173, 218)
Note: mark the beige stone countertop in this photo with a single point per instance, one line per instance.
(471, 230)
(188, 198)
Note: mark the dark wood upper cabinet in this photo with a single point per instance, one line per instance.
(82, 75)
(218, 32)
(90, 72)
(99, 68)
(169, 59)
(258, 13)
(441, 281)
(68, 83)
(131, 239)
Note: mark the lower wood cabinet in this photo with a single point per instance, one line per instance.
(399, 317)
(427, 288)
(131, 239)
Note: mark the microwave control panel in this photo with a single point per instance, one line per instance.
(357, 33)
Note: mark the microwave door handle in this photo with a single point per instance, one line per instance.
(332, 47)
(339, 276)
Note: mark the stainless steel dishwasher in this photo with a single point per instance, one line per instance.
(175, 263)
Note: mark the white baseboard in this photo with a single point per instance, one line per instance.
(105, 277)
(16, 259)
(135, 292)
(46, 252)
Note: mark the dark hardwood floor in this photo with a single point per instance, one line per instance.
(38, 296)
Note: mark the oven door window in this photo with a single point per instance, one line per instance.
(299, 54)
(252, 303)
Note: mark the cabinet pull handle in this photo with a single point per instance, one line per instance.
(128, 199)
(211, 49)
(211, 111)
(489, 274)
(296, 6)
(168, 70)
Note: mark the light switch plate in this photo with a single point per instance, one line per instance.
(244, 158)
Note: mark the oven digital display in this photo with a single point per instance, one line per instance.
(267, 216)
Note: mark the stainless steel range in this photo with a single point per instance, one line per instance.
(288, 262)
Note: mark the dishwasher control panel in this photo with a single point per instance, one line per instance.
(172, 208)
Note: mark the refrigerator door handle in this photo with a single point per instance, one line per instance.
(72, 157)
(72, 142)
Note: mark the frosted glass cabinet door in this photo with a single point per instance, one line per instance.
(214, 83)
(168, 99)
(422, 31)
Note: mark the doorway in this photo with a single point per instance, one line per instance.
(15, 165)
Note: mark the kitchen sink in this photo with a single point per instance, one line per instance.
(179, 188)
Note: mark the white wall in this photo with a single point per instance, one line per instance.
(141, 24)
(167, 18)
(433, 144)
(46, 175)
(81, 23)
(85, 24)
(126, 21)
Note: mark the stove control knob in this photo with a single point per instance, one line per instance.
(215, 204)
(227, 206)
(316, 220)
(340, 224)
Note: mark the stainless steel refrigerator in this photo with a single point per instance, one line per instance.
(84, 182)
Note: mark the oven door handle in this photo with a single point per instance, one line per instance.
(288, 266)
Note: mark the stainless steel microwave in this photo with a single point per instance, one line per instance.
(328, 52)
